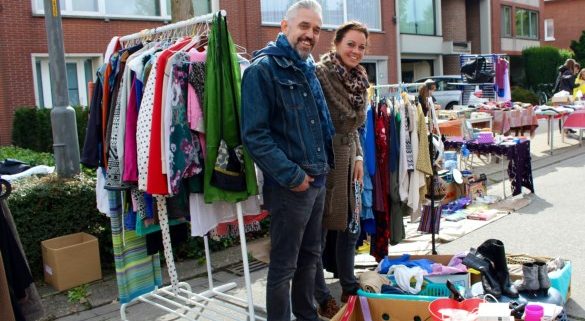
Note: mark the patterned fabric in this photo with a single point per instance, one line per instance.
(185, 158)
(136, 272)
(143, 127)
(426, 220)
(197, 78)
(355, 80)
(161, 205)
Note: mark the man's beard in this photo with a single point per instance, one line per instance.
(304, 54)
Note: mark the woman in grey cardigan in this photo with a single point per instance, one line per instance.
(345, 83)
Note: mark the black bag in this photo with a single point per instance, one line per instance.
(476, 72)
(12, 166)
(228, 171)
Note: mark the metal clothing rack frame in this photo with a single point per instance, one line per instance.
(187, 304)
(399, 87)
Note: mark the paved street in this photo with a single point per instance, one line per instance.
(552, 225)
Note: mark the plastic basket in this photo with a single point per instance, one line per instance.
(430, 292)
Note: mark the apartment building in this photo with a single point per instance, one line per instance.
(564, 20)
(433, 33)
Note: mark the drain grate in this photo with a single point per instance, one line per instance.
(238, 268)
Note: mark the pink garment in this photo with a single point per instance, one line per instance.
(130, 173)
(194, 108)
(455, 266)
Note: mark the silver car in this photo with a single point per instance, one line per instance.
(447, 94)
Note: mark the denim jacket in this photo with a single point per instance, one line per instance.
(283, 127)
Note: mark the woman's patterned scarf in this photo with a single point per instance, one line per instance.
(354, 80)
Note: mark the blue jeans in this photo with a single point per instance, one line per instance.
(295, 234)
(344, 259)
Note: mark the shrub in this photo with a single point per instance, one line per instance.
(48, 207)
(31, 128)
(578, 47)
(541, 65)
(524, 95)
(26, 155)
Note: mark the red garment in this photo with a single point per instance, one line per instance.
(157, 181)
(379, 248)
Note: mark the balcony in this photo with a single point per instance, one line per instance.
(456, 47)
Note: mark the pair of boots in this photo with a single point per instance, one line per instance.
(535, 278)
(490, 260)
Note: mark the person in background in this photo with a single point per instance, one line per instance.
(577, 69)
(287, 129)
(566, 78)
(426, 91)
(580, 83)
(345, 84)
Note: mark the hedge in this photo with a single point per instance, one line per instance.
(48, 207)
(541, 64)
(524, 95)
(31, 128)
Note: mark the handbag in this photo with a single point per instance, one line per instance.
(228, 171)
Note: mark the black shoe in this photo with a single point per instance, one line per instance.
(494, 251)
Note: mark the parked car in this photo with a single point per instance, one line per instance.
(447, 94)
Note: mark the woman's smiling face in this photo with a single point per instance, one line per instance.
(351, 48)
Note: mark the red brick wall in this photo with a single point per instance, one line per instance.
(569, 21)
(22, 34)
(245, 23)
(451, 65)
(26, 34)
(472, 23)
(453, 20)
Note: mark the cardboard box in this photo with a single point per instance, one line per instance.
(388, 309)
(71, 260)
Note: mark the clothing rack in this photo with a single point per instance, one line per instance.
(488, 89)
(186, 304)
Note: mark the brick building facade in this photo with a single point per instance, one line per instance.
(24, 76)
(399, 49)
(23, 36)
(564, 20)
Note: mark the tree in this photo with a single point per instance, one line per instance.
(578, 48)
(181, 10)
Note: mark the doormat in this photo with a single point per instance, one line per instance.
(238, 268)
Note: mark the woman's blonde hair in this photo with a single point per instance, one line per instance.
(582, 74)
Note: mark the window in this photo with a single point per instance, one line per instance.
(335, 12)
(79, 70)
(151, 9)
(526, 24)
(549, 30)
(506, 21)
(200, 7)
(417, 17)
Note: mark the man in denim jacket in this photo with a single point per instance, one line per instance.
(287, 129)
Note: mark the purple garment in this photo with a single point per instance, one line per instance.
(455, 266)
(519, 167)
(130, 174)
(501, 67)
